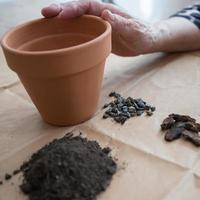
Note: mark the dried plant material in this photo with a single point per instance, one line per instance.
(173, 134)
(181, 126)
(182, 118)
(192, 137)
(167, 123)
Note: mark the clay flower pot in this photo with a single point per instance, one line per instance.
(61, 65)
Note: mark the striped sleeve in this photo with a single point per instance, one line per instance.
(191, 13)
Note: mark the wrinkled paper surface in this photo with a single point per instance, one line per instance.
(148, 167)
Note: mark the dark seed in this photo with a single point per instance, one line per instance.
(131, 109)
(182, 118)
(149, 113)
(192, 137)
(139, 113)
(173, 134)
(113, 114)
(153, 109)
(167, 123)
(137, 107)
(120, 105)
(1, 182)
(120, 99)
(117, 119)
(116, 101)
(108, 111)
(123, 120)
(130, 99)
(147, 107)
(179, 124)
(114, 110)
(8, 176)
(192, 126)
(105, 105)
(129, 104)
(140, 103)
(105, 116)
(120, 114)
(127, 114)
(122, 109)
(198, 126)
(112, 104)
(125, 108)
(133, 114)
(114, 94)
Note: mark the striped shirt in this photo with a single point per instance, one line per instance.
(191, 13)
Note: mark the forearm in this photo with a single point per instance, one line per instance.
(132, 37)
(175, 34)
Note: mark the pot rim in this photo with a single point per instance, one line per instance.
(56, 51)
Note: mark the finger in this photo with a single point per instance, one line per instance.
(51, 11)
(74, 9)
(117, 22)
(77, 8)
(96, 8)
(120, 33)
(115, 10)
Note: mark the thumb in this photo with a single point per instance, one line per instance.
(117, 22)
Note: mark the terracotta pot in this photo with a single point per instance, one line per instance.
(61, 64)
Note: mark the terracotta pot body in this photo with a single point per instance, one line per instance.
(61, 65)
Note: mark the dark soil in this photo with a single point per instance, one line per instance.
(181, 126)
(70, 168)
(121, 109)
(8, 176)
(16, 171)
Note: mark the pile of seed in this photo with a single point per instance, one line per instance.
(68, 168)
(181, 126)
(121, 109)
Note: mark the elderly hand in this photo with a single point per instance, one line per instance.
(129, 36)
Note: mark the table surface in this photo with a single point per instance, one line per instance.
(148, 167)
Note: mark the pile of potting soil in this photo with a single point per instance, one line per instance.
(70, 168)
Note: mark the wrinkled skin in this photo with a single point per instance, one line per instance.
(130, 37)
